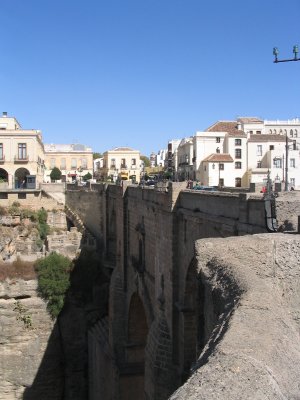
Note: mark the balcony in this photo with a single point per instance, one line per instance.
(123, 166)
(23, 159)
(113, 167)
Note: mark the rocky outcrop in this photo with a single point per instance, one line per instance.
(29, 344)
(251, 286)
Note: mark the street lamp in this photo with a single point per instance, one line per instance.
(295, 51)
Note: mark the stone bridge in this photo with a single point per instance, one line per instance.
(194, 300)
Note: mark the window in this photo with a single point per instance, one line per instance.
(291, 133)
(123, 163)
(293, 181)
(62, 163)
(221, 166)
(218, 140)
(258, 164)
(251, 132)
(84, 163)
(238, 165)
(1, 151)
(277, 163)
(52, 163)
(238, 182)
(221, 182)
(271, 147)
(133, 161)
(259, 150)
(73, 163)
(294, 145)
(296, 133)
(238, 153)
(217, 150)
(22, 151)
(292, 163)
(258, 132)
(238, 142)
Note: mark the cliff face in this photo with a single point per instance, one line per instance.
(28, 337)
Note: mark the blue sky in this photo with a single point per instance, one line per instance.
(110, 73)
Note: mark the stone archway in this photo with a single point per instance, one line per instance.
(3, 175)
(190, 320)
(132, 380)
(20, 178)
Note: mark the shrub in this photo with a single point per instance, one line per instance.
(43, 227)
(55, 174)
(87, 177)
(53, 281)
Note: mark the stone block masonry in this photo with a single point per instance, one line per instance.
(157, 326)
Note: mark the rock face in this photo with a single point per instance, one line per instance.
(29, 344)
(254, 349)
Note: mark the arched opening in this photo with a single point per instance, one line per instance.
(21, 178)
(132, 380)
(3, 175)
(190, 351)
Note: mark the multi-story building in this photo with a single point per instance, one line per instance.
(185, 159)
(121, 163)
(223, 144)
(267, 153)
(21, 155)
(161, 158)
(172, 156)
(74, 161)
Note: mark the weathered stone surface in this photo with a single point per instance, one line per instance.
(254, 349)
(28, 336)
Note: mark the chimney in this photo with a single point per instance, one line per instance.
(4, 114)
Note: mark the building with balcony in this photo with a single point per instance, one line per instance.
(121, 163)
(21, 155)
(74, 161)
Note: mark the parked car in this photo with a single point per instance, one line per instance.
(207, 188)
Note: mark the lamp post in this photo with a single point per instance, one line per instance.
(295, 51)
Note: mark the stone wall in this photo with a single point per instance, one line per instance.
(27, 337)
(251, 307)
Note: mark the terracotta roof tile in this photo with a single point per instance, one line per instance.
(219, 157)
(250, 120)
(268, 138)
(226, 126)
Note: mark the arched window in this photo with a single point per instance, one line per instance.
(217, 150)
(270, 132)
(291, 133)
(274, 131)
(296, 133)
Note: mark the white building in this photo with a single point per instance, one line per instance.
(268, 153)
(185, 159)
(161, 158)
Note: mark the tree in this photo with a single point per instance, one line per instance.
(55, 174)
(54, 280)
(146, 161)
(97, 155)
(86, 177)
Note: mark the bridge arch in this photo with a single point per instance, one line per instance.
(190, 334)
(132, 379)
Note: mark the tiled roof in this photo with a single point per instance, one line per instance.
(226, 126)
(122, 149)
(65, 148)
(218, 157)
(250, 120)
(268, 138)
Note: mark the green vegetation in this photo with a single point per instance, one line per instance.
(23, 315)
(97, 155)
(43, 227)
(53, 281)
(87, 176)
(146, 161)
(55, 174)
